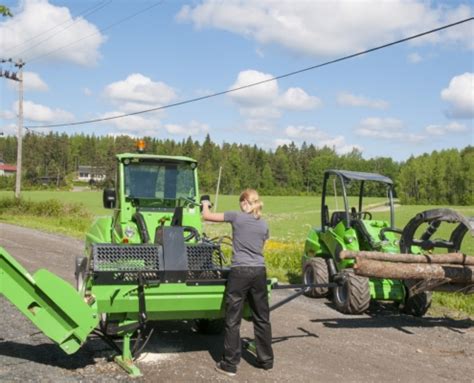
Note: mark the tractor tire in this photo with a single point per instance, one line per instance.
(316, 271)
(417, 304)
(352, 296)
(210, 326)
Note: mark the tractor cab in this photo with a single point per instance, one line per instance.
(153, 191)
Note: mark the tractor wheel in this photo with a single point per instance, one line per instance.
(210, 326)
(416, 304)
(316, 271)
(352, 296)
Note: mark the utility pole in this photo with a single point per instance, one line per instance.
(19, 64)
(218, 186)
(19, 78)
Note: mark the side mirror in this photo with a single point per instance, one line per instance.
(108, 198)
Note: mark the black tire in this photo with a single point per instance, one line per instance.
(352, 296)
(316, 271)
(210, 326)
(416, 304)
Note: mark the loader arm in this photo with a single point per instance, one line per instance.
(51, 303)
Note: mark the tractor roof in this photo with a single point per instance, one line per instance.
(348, 175)
(154, 157)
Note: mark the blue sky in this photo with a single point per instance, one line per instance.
(94, 59)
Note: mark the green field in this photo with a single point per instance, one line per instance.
(289, 218)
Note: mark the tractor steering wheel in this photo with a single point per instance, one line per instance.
(193, 233)
(190, 201)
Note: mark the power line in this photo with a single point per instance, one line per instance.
(99, 31)
(188, 101)
(87, 12)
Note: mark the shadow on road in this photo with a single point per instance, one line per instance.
(46, 353)
(387, 315)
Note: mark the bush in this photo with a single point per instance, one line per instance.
(48, 208)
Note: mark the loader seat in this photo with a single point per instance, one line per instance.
(337, 217)
(368, 231)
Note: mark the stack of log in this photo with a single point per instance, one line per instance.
(451, 267)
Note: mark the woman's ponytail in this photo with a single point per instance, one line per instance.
(254, 202)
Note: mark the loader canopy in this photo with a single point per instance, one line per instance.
(353, 182)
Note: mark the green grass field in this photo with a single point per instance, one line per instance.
(290, 218)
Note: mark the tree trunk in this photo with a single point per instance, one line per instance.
(447, 258)
(396, 270)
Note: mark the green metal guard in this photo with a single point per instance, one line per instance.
(52, 304)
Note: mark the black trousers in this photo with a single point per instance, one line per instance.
(247, 283)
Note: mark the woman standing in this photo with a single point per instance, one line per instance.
(247, 281)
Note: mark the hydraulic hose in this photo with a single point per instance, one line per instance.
(142, 229)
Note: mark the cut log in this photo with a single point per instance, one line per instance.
(396, 270)
(447, 258)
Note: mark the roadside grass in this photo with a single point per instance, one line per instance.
(289, 218)
(51, 215)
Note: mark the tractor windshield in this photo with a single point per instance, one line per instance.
(152, 182)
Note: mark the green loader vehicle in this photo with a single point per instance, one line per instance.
(371, 259)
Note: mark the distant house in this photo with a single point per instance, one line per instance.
(90, 173)
(7, 170)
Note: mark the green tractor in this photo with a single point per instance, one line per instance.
(149, 260)
(349, 232)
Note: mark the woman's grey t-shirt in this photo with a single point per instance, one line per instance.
(249, 235)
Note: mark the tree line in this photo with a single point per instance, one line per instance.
(441, 177)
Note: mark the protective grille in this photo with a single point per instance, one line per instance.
(200, 257)
(203, 262)
(126, 258)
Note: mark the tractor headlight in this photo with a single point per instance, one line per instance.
(129, 232)
(349, 239)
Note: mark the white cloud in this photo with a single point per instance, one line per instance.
(117, 134)
(255, 95)
(264, 102)
(441, 130)
(298, 99)
(460, 93)
(29, 34)
(137, 92)
(348, 99)
(7, 115)
(256, 125)
(31, 82)
(317, 137)
(191, 129)
(133, 125)
(9, 130)
(322, 28)
(386, 129)
(87, 92)
(414, 58)
(261, 112)
(43, 114)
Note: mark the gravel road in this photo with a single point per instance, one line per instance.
(312, 341)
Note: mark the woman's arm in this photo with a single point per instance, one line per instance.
(208, 215)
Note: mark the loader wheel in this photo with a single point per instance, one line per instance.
(316, 271)
(416, 304)
(210, 326)
(352, 295)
